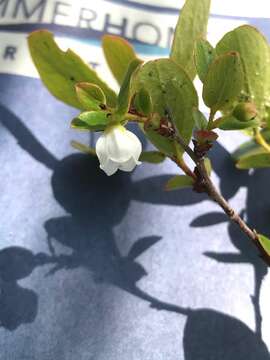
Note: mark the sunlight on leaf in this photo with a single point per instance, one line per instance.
(255, 56)
(61, 70)
(223, 82)
(204, 55)
(90, 96)
(118, 53)
(192, 24)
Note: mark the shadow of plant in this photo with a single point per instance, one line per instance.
(256, 213)
(18, 305)
(95, 204)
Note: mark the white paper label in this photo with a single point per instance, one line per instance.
(80, 24)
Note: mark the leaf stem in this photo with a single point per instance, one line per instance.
(135, 118)
(183, 166)
(211, 119)
(260, 140)
(178, 159)
(83, 148)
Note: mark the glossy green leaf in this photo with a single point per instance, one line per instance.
(204, 55)
(192, 24)
(201, 122)
(229, 122)
(223, 82)
(124, 95)
(152, 157)
(118, 53)
(90, 96)
(91, 120)
(143, 103)
(179, 182)
(265, 243)
(61, 70)
(83, 148)
(254, 161)
(255, 56)
(171, 89)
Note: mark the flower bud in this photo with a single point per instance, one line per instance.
(118, 148)
(245, 111)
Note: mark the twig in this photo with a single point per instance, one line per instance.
(205, 184)
(183, 166)
(213, 193)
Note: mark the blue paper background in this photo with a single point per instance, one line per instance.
(100, 268)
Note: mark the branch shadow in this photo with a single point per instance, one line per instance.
(95, 204)
(256, 213)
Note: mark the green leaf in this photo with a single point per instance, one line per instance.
(255, 161)
(83, 148)
(143, 103)
(91, 120)
(61, 70)
(229, 122)
(118, 53)
(265, 243)
(223, 82)
(255, 56)
(124, 95)
(204, 55)
(152, 157)
(201, 122)
(90, 96)
(79, 125)
(164, 144)
(192, 24)
(170, 88)
(246, 149)
(250, 147)
(179, 182)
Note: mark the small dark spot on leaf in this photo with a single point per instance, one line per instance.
(150, 73)
(102, 106)
(72, 78)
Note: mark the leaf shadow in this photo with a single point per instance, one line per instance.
(94, 204)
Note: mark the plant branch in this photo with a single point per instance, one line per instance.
(204, 184)
(211, 119)
(135, 117)
(213, 193)
(183, 166)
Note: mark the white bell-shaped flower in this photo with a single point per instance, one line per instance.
(118, 148)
